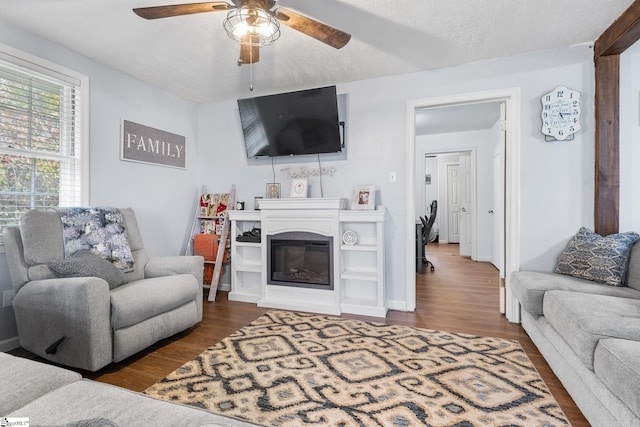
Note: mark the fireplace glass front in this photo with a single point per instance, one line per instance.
(300, 259)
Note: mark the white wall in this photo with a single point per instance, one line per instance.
(630, 139)
(557, 178)
(163, 198)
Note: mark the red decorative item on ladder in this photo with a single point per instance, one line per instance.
(210, 230)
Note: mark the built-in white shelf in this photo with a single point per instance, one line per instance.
(371, 276)
(248, 244)
(246, 258)
(254, 267)
(364, 248)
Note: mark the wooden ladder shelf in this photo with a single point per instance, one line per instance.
(222, 244)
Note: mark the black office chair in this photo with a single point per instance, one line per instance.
(427, 225)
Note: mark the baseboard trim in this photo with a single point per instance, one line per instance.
(397, 305)
(9, 344)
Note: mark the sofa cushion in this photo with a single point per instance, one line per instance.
(23, 380)
(41, 232)
(40, 272)
(584, 319)
(593, 257)
(143, 299)
(88, 399)
(88, 265)
(529, 288)
(633, 268)
(617, 363)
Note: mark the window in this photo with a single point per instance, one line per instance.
(42, 136)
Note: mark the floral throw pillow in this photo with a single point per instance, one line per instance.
(593, 257)
(99, 230)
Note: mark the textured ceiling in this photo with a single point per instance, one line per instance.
(192, 56)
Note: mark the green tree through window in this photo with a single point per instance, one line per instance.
(39, 142)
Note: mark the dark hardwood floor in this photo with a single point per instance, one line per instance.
(459, 296)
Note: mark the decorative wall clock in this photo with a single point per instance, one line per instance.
(560, 114)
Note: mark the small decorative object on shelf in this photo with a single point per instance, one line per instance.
(256, 202)
(299, 187)
(349, 237)
(273, 190)
(252, 236)
(364, 197)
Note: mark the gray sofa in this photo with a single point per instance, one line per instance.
(52, 396)
(84, 322)
(589, 333)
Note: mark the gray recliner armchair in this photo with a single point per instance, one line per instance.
(84, 322)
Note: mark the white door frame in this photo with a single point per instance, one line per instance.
(511, 98)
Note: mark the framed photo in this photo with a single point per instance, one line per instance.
(299, 187)
(364, 197)
(273, 190)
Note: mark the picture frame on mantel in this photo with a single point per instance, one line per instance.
(364, 197)
(299, 188)
(273, 190)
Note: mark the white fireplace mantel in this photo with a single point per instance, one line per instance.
(324, 203)
(358, 268)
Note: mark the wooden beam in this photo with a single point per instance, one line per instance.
(607, 145)
(623, 33)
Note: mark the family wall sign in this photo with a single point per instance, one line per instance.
(145, 144)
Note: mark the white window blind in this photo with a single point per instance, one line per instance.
(40, 140)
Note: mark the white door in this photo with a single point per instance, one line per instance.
(466, 206)
(453, 202)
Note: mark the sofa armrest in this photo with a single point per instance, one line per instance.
(77, 308)
(170, 265)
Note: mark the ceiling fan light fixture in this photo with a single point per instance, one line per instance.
(256, 25)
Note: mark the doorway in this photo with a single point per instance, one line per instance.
(450, 180)
(511, 100)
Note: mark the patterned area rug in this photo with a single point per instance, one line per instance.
(299, 369)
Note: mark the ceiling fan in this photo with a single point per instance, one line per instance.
(253, 23)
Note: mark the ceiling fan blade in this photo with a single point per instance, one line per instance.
(249, 53)
(156, 12)
(319, 31)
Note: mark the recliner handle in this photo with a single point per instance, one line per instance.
(53, 348)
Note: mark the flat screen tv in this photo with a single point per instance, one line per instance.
(292, 123)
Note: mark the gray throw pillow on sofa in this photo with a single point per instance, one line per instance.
(600, 259)
(88, 265)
